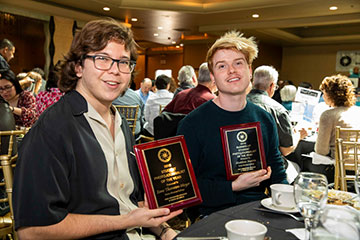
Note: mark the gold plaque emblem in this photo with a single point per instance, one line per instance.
(241, 136)
(164, 155)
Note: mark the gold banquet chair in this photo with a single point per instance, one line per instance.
(346, 155)
(8, 162)
(130, 113)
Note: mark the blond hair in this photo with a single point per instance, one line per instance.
(234, 40)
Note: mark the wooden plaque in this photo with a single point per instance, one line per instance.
(243, 149)
(167, 174)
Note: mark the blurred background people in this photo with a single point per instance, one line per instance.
(287, 94)
(187, 78)
(7, 51)
(144, 90)
(51, 94)
(22, 102)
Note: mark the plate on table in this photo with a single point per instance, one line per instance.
(267, 202)
(336, 197)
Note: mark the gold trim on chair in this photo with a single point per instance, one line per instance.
(130, 113)
(8, 162)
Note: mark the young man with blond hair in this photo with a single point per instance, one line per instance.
(229, 61)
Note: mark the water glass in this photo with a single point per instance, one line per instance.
(310, 194)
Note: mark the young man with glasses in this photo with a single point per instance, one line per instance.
(76, 177)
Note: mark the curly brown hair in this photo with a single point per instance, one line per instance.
(93, 37)
(339, 89)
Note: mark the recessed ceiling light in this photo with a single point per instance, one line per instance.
(106, 9)
(181, 44)
(333, 8)
(160, 27)
(173, 42)
(177, 46)
(134, 19)
(255, 15)
(156, 34)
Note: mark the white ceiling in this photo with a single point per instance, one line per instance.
(282, 22)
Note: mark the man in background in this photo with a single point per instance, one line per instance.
(144, 90)
(187, 78)
(189, 99)
(7, 51)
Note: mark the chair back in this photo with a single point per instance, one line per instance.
(8, 162)
(346, 155)
(131, 114)
(165, 125)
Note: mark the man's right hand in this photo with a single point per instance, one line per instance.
(251, 179)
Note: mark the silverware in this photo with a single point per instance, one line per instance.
(300, 219)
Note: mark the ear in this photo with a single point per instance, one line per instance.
(212, 78)
(78, 70)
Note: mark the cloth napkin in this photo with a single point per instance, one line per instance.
(298, 232)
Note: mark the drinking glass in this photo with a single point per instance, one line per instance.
(357, 180)
(310, 194)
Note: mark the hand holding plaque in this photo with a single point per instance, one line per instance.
(243, 149)
(167, 174)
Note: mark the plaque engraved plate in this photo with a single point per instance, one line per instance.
(243, 149)
(167, 174)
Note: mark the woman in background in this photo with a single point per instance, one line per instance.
(287, 94)
(52, 93)
(22, 102)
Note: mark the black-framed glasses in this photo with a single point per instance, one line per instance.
(105, 63)
(6, 88)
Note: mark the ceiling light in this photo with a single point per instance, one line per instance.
(134, 19)
(181, 44)
(173, 42)
(255, 15)
(156, 34)
(160, 28)
(177, 46)
(106, 9)
(333, 8)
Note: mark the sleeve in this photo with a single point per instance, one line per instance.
(322, 144)
(214, 191)
(28, 109)
(273, 155)
(285, 130)
(41, 185)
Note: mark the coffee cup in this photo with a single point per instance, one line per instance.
(245, 230)
(282, 196)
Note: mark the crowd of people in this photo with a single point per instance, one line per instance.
(62, 199)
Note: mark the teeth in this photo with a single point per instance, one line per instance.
(111, 83)
(234, 79)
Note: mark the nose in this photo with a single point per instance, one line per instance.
(114, 68)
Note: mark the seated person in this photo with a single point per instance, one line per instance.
(75, 177)
(52, 93)
(152, 106)
(187, 78)
(191, 98)
(287, 94)
(229, 61)
(22, 102)
(339, 94)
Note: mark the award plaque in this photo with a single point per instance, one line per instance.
(167, 174)
(243, 149)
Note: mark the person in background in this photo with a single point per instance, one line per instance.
(22, 102)
(189, 99)
(229, 61)
(355, 73)
(43, 78)
(264, 85)
(187, 78)
(306, 85)
(152, 106)
(52, 94)
(75, 177)
(153, 86)
(287, 94)
(7, 51)
(144, 90)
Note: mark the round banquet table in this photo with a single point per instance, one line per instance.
(214, 224)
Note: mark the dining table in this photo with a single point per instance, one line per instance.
(214, 224)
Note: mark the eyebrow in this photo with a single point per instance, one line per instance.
(236, 59)
(106, 54)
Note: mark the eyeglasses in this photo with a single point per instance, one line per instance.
(276, 87)
(105, 63)
(6, 88)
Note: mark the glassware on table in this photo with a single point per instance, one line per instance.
(337, 222)
(310, 194)
(357, 180)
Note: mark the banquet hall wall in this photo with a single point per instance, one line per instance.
(296, 63)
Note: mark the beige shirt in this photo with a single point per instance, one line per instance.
(346, 117)
(119, 181)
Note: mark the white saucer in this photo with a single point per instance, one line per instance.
(267, 202)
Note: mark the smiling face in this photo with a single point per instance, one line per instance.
(231, 72)
(101, 87)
